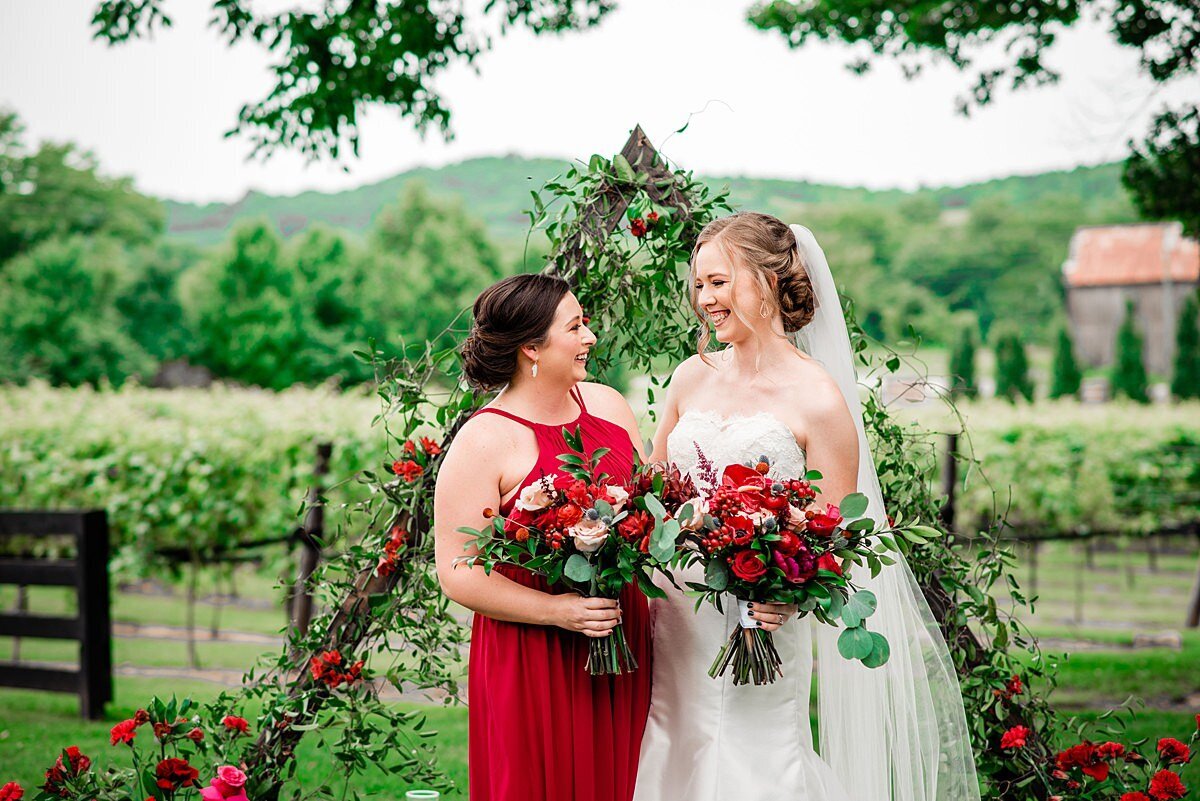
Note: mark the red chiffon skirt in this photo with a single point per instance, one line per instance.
(541, 727)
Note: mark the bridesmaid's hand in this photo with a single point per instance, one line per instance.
(593, 617)
(771, 617)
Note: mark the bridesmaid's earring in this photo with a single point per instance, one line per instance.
(533, 370)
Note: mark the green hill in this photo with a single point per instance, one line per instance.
(497, 189)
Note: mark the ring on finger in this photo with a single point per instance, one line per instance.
(782, 618)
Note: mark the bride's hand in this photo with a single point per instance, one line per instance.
(771, 616)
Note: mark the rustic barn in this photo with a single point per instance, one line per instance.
(1152, 264)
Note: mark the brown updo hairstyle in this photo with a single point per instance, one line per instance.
(513, 312)
(763, 248)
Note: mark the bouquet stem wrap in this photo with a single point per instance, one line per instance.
(749, 650)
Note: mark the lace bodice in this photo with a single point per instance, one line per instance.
(733, 439)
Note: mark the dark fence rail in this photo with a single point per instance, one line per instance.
(87, 572)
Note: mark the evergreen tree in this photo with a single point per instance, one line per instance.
(1067, 378)
(1012, 367)
(1129, 373)
(1185, 380)
(962, 366)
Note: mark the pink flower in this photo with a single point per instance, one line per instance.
(228, 785)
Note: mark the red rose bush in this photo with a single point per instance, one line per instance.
(764, 539)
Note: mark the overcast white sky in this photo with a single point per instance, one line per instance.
(156, 110)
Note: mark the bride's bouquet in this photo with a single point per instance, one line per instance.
(765, 540)
(581, 532)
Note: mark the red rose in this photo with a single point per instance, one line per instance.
(195, 735)
(1111, 750)
(174, 773)
(11, 792)
(1173, 752)
(828, 561)
(431, 447)
(1166, 785)
(637, 227)
(235, 724)
(824, 523)
(123, 732)
(407, 469)
(1134, 797)
(789, 543)
(1014, 737)
(748, 566)
(569, 515)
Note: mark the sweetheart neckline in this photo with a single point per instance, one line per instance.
(725, 419)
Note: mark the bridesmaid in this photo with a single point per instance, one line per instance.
(540, 727)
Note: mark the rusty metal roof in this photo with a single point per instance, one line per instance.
(1106, 255)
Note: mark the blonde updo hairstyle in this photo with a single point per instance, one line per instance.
(763, 249)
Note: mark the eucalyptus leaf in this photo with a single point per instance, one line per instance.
(716, 575)
(879, 653)
(578, 568)
(855, 643)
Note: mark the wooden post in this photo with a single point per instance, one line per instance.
(1193, 613)
(21, 608)
(310, 541)
(1034, 545)
(950, 482)
(95, 652)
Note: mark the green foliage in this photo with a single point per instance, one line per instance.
(1185, 380)
(55, 193)
(334, 59)
(1161, 172)
(1066, 377)
(1012, 367)
(150, 306)
(431, 260)
(242, 310)
(1129, 372)
(962, 366)
(198, 470)
(58, 315)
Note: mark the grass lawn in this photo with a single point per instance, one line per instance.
(1088, 633)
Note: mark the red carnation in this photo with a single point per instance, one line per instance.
(652, 218)
(637, 227)
(1086, 757)
(1134, 797)
(1166, 785)
(141, 716)
(1173, 752)
(235, 724)
(1014, 686)
(824, 523)
(11, 792)
(174, 773)
(407, 469)
(123, 732)
(195, 735)
(57, 775)
(748, 566)
(1014, 737)
(1111, 750)
(431, 447)
(410, 447)
(162, 730)
(569, 515)
(635, 526)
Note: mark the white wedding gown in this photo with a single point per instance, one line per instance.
(706, 739)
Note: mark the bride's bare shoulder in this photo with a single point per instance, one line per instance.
(694, 369)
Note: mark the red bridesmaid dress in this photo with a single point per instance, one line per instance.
(542, 728)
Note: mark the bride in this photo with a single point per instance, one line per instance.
(784, 387)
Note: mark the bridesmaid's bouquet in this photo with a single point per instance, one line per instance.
(766, 540)
(588, 535)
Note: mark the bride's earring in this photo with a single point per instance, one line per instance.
(764, 311)
(533, 370)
